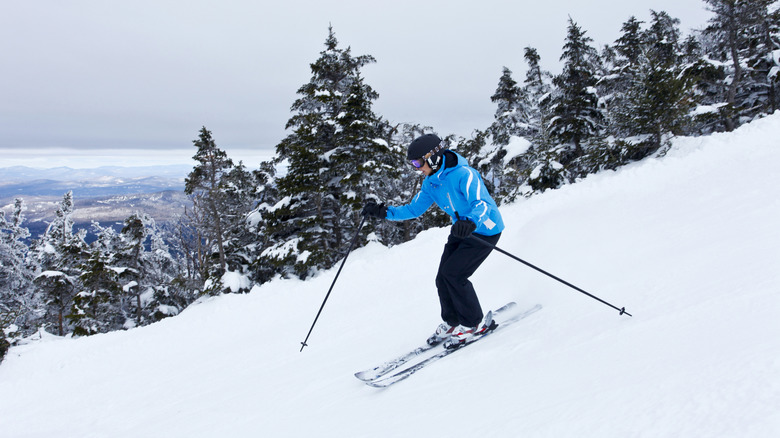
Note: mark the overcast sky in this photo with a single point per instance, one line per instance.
(82, 82)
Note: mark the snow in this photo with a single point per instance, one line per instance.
(688, 243)
(281, 204)
(303, 257)
(517, 146)
(119, 270)
(282, 250)
(235, 281)
(707, 109)
(50, 274)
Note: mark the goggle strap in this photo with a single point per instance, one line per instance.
(434, 151)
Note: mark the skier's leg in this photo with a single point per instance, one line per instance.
(454, 272)
(448, 313)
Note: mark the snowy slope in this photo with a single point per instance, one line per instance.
(689, 243)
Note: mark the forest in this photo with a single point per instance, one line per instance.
(293, 216)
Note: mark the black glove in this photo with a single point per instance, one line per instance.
(463, 228)
(375, 210)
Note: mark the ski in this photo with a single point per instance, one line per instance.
(406, 372)
(379, 371)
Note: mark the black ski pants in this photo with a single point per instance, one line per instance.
(461, 258)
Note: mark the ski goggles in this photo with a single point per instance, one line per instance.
(420, 162)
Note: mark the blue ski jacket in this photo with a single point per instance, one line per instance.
(460, 192)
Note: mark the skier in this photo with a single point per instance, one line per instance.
(457, 189)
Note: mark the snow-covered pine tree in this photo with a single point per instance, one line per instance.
(513, 111)
(538, 167)
(622, 75)
(165, 272)
(537, 87)
(621, 65)
(489, 150)
(149, 275)
(266, 196)
(240, 190)
(4, 345)
(364, 162)
(95, 307)
(19, 302)
(218, 214)
(193, 244)
(576, 116)
(132, 267)
(629, 46)
(319, 194)
(708, 86)
(60, 252)
(762, 56)
(661, 99)
(744, 34)
(771, 47)
(511, 121)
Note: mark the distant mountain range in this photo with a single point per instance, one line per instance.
(99, 186)
(105, 194)
(23, 173)
(20, 181)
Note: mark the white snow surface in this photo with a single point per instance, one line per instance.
(689, 243)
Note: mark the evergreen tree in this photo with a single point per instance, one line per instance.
(363, 160)
(662, 97)
(128, 280)
(517, 120)
(650, 91)
(60, 253)
(193, 243)
(204, 182)
(576, 116)
(147, 273)
(240, 190)
(744, 34)
(334, 150)
(4, 345)
(512, 117)
(95, 307)
(623, 75)
(763, 61)
(538, 166)
(132, 266)
(211, 187)
(165, 273)
(630, 45)
(707, 78)
(537, 88)
(266, 196)
(18, 301)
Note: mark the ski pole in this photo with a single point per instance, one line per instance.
(622, 310)
(351, 245)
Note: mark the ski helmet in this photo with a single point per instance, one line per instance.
(428, 148)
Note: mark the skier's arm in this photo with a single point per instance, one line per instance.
(417, 207)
